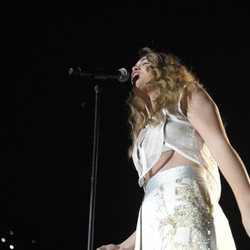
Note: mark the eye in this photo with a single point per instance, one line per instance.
(144, 63)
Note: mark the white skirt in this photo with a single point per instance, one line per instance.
(178, 213)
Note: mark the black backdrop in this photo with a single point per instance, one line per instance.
(47, 116)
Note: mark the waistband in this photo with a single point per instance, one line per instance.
(170, 175)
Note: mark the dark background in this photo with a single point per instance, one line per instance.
(47, 116)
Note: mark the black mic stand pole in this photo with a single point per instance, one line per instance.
(97, 90)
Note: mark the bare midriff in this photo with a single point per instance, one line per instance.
(169, 159)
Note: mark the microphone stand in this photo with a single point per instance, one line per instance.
(123, 76)
(97, 90)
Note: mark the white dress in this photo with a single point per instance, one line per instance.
(180, 209)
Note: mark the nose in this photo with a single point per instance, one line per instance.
(136, 67)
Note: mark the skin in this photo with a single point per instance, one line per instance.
(204, 116)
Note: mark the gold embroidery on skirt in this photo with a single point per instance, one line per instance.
(188, 226)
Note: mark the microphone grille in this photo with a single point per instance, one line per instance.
(124, 76)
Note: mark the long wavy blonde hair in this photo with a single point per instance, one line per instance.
(170, 79)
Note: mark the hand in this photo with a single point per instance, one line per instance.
(109, 247)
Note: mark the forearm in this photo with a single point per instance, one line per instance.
(235, 173)
(129, 243)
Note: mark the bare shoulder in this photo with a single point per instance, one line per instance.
(201, 106)
(200, 95)
(200, 99)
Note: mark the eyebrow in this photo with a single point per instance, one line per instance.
(143, 59)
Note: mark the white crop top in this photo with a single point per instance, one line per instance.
(175, 133)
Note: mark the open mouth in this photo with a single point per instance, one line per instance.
(134, 79)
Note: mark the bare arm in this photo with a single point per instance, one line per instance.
(128, 244)
(205, 117)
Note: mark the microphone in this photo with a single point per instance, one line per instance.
(122, 75)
